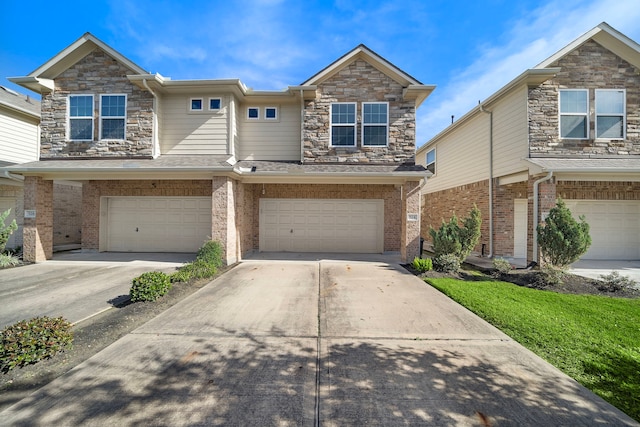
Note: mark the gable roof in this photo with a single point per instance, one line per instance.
(608, 37)
(41, 79)
(414, 89)
(23, 104)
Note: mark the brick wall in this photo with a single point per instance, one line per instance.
(38, 231)
(359, 82)
(591, 66)
(67, 214)
(390, 195)
(598, 190)
(96, 74)
(93, 190)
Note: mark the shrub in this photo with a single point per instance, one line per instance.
(451, 238)
(198, 269)
(30, 341)
(562, 239)
(8, 260)
(614, 282)
(211, 252)
(501, 265)
(6, 230)
(422, 265)
(446, 263)
(149, 286)
(550, 276)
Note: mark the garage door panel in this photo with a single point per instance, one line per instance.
(614, 227)
(157, 224)
(322, 225)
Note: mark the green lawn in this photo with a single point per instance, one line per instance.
(595, 340)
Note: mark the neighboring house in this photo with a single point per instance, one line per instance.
(20, 143)
(569, 128)
(19, 137)
(325, 166)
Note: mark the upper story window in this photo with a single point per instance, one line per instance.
(431, 161)
(195, 104)
(375, 122)
(343, 124)
(253, 113)
(610, 113)
(574, 113)
(81, 117)
(113, 116)
(271, 113)
(215, 103)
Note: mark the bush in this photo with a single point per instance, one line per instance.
(562, 239)
(198, 269)
(446, 263)
(501, 265)
(422, 265)
(28, 342)
(550, 276)
(7, 260)
(211, 252)
(149, 286)
(6, 230)
(450, 238)
(614, 282)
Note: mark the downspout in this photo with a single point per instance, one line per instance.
(12, 177)
(301, 126)
(156, 142)
(535, 213)
(490, 113)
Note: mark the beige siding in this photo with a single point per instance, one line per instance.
(510, 141)
(462, 157)
(189, 133)
(18, 138)
(270, 140)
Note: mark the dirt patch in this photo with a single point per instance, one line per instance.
(90, 337)
(536, 279)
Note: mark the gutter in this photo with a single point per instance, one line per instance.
(156, 140)
(12, 177)
(536, 208)
(490, 255)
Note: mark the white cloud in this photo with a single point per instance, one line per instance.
(532, 39)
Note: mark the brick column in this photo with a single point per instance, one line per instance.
(546, 201)
(223, 216)
(90, 216)
(38, 231)
(410, 237)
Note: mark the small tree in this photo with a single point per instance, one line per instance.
(562, 239)
(450, 238)
(6, 230)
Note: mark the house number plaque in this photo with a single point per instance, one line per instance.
(30, 213)
(412, 217)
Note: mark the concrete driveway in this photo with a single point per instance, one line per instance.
(329, 343)
(595, 268)
(75, 285)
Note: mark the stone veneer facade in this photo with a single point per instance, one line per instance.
(359, 82)
(590, 66)
(96, 74)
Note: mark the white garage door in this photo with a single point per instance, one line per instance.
(321, 225)
(9, 203)
(157, 224)
(614, 227)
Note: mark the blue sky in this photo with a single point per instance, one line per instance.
(468, 49)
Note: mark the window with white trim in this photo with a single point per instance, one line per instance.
(610, 113)
(215, 104)
(574, 113)
(343, 124)
(375, 123)
(271, 113)
(195, 104)
(431, 161)
(80, 117)
(253, 113)
(113, 116)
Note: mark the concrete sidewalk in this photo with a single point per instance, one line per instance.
(327, 343)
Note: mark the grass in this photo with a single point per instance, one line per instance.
(593, 339)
